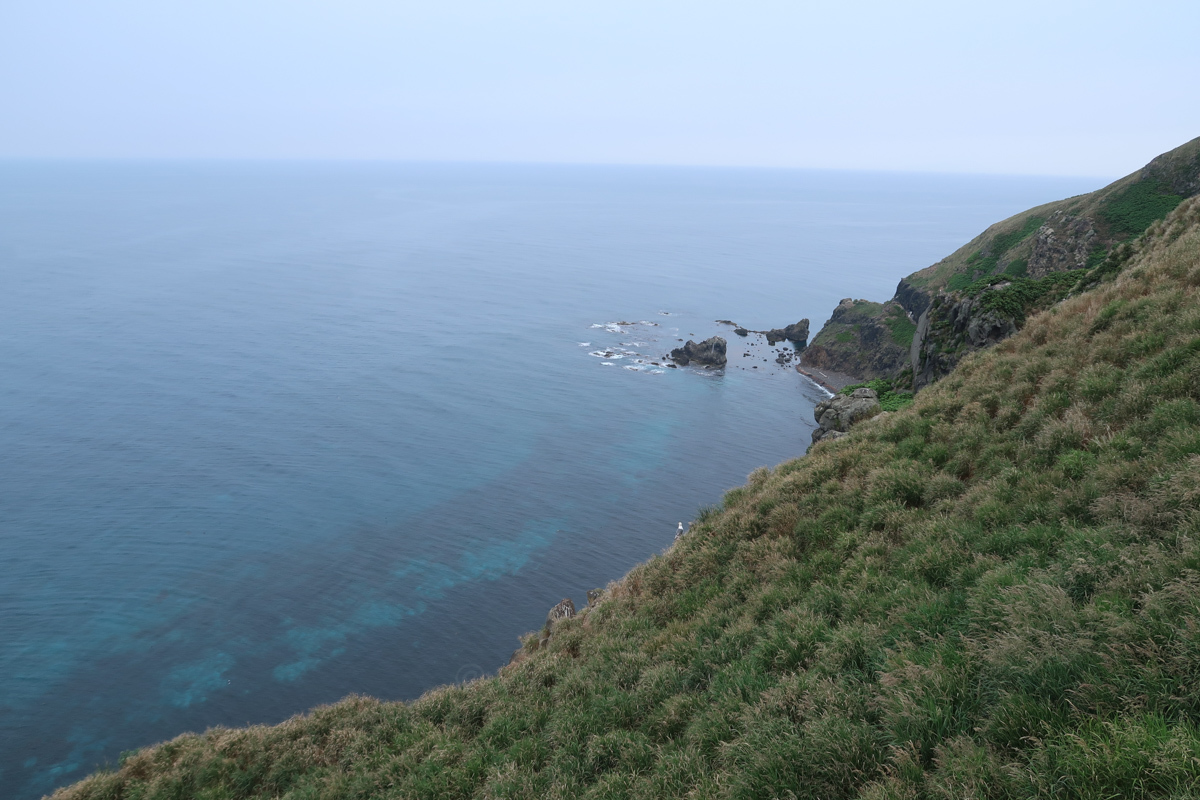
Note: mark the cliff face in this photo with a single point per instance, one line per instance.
(861, 338)
(954, 303)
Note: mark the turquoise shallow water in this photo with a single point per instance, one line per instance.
(276, 433)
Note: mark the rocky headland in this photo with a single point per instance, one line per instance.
(982, 293)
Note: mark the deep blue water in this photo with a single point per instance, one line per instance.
(276, 433)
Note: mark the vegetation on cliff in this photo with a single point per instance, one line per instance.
(1075, 233)
(992, 593)
(890, 398)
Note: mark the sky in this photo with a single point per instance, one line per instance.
(1056, 88)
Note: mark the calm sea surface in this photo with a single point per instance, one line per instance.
(271, 434)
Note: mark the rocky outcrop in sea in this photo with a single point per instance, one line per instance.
(709, 353)
(796, 333)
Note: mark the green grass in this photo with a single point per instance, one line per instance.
(1003, 242)
(991, 593)
(980, 265)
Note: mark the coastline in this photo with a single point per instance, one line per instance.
(832, 382)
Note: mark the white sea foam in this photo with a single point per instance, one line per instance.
(584, 344)
(607, 364)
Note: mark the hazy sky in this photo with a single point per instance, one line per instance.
(1076, 88)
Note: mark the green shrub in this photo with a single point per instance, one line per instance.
(1130, 211)
(1015, 298)
(889, 398)
(902, 328)
(1018, 268)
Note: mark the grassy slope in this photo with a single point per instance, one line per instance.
(1014, 235)
(993, 593)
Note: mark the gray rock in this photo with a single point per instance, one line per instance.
(564, 610)
(914, 350)
(1064, 246)
(835, 415)
(709, 353)
(989, 328)
(951, 328)
(796, 333)
(912, 299)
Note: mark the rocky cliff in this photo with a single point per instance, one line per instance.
(864, 339)
(983, 292)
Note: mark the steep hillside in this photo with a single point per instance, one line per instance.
(990, 594)
(1032, 249)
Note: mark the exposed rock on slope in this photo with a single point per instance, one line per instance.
(835, 415)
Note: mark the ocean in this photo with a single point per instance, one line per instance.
(276, 433)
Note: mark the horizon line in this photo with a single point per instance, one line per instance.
(361, 160)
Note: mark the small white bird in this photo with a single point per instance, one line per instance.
(679, 532)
